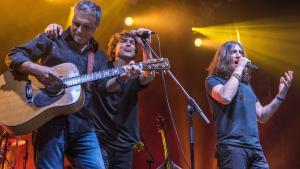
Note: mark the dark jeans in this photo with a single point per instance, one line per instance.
(234, 157)
(114, 159)
(81, 148)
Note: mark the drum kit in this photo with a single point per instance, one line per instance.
(9, 148)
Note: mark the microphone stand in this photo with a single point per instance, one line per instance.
(150, 159)
(192, 105)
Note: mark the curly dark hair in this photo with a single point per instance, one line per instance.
(222, 63)
(114, 40)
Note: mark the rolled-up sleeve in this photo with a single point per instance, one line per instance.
(211, 82)
(31, 51)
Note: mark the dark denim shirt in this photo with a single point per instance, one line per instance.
(51, 52)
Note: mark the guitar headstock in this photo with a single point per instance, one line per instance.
(156, 64)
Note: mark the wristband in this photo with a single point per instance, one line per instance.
(279, 98)
(236, 76)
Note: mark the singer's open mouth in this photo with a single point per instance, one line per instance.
(127, 50)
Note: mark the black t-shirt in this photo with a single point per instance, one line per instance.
(235, 123)
(116, 117)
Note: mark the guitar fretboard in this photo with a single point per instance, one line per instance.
(68, 82)
(154, 64)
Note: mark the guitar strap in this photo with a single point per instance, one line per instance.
(90, 66)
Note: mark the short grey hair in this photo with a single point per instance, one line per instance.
(88, 7)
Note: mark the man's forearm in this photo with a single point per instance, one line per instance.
(268, 110)
(229, 89)
(29, 67)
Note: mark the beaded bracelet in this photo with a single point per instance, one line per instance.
(279, 98)
(236, 76)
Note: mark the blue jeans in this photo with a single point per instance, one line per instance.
(116, 159)
(234, 157)
(82, 149)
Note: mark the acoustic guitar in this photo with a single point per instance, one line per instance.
(25, 105)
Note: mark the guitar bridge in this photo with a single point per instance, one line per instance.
(28, 92)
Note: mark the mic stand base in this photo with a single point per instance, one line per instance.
(172, 165)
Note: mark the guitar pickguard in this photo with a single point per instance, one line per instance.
(41, 99)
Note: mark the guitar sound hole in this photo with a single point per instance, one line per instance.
(42, 99)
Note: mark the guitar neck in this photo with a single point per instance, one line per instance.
(72, 81)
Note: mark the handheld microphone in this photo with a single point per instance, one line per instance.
(145, 34)
(252, 67)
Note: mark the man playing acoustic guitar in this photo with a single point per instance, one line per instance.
(74, 134)
(116, 115)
